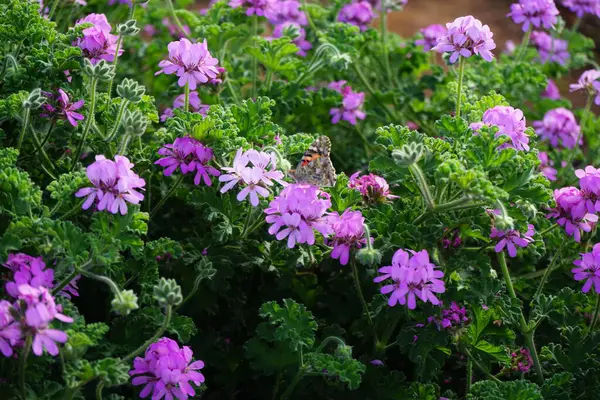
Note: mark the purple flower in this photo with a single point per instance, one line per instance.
(550, 49)
(115, 185)
(571, 212)
(300, 40)
(194, 103)
(581, 7)
(63, 108)
(338, 86)
(546, 166)
(589, 182)
(551, 92)
(376, 362)
(510, 122)
(451, 318)
(27, 270)
(352, 104)
(348, 233)
(97, 42)
(358, 14)
(451, 238)
(521, 361)
(174, 29)
(509, 47)
(166, 371)
(297, 212)
(192, 63)
(431, 35)
(286, 11)
(558, 126)
(411, 277)
(255, 7)
(539, 13)
(588, 269)
(373, 188)
(466, 36)
(188, 155)
(512, 238)
(588, 81)
(10, 332)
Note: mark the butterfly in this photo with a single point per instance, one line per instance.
(316, 167)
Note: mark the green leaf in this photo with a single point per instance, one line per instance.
(291, 324)
(514, 390)
(346, 370)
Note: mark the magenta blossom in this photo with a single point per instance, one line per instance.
(166, 370)
(10, 331)
(451, 318)
(559, 127)
(62, 108)
(411, 277)
(373, 188)
(194, 102)
(297, 212)
(588, 270)
(571, 212)
(466, 36)
(512, 238)
(588, 81)
(192, 63)
(550, 49)
(286, 11)
(255, 7)
(348, 233)
(97, 42)
(551, 92)
(188, 155)
(537, 13)
(589, 182)
(582, 7)
(521, 361)
(358, 14)
(27, 271)
(510, 122)
(546, 166)
(431, 35)
(352, 107)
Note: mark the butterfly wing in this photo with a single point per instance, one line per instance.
(316, 168)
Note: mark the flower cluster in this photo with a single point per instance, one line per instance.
(589, 182)
(431, 35)
(510, 122)
(512, 238)
(550, 49)
(192, 63)
(348, 233)
(559, 127)
(588, 269)
(255, 171)
(255, 7)
(166, 370)
(588, 81)
(358, 14)
(373, 188)
(551, 92)
(194, 102)
(451, 318)
(451, 238)
(188, 155)
(286, 11)
(571, 212)
(547, 166)
(466, 36)
(297, 212)
(59, 106)
(352, 104)
(115, 185)
(582, 7)
(412, 276)
(539, 13)
(521, 360)
(97, 42)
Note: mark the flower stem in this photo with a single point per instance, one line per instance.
(177, 21)
(186, 104)
(594, 317)
(72, 211)
(148, 342)
(362, 299)
(65, 282)
(584, 117)
(548, 230)
(254, 59)
(169, 194)
(461, 68)
(469, 373)
(458, 204)
(88, 124)
(40, 147)
(383, 33)
(24, 129)
(524, 44)
(124, 143)
(481, 367)
(110, 137)
(53, 9)
(365, 82)
(23, 365)
(549, 269)
(308, 18)
(417, 173)
(115, 61)
(293, 384)
(99, 388)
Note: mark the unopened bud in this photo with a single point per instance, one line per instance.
(124, 302)
(34, 100)
(134, 123)
(408, 154)
(131, 90)
(129, 28)
(168, 293)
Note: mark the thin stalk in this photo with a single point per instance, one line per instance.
(549, 269)
(72, 211)
(481, 367)
(584, 117)
(115, 61)
(293, 384)
(191, 293)
(530, 342)
(148, 342)
(458, 204)
(186, 104)
(42, 144)
(362, 299)
(88, 124)
(367, 84)
(169, 194)
(65, 282)
(268, 79)
(99, 388)
(309, 19)
(254, 59)
(383, 33)
(247, 222)
(417, 173)
(40, 147)
(524, 44)
(24, 129)
(548, 230)
(23, 365)
(177, 21)
(461, 68)
(469, 373)
(124, 143)
(595, 316)
(124, 104)
(53, 9)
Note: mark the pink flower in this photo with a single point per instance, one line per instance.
(10, 332)
(550, 49)
(546, 166)
(582, 7)
(194, 103)
(559, 127)
(588, 269)
(255, 7)
(551, 92)
(373, 188)
(348, 233)
(352, 107)
(539, 13)
(97, 42)
(510, 122)
(571, 212)
(286, 11)
(63, 108)
(359, 14)
(588, 81)
(512, 238)
(431, 35)
(589, 182)
(466, 36)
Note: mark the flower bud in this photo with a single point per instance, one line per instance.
(504, 222)
(529, 210)
(343, 351)
(124, 302)
(34, 100)
(205, 269)
(168, 293)
(102, 71)
(368, 256)
(134, 123)
(292, 31)
(131, 90)
(129, 28)
(408, 154)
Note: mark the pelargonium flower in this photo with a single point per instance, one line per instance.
(559, 127)
(254, 7)
(466, 36)
(539, 13)
(359, 14)
(192, 63)
(10, 331)
(451, 238)
(510, 122)
(412, 276)
(188, 155)
(167, 370)
(97, 42)
(286, 11)
(62, 107)
(582, 7)
(546, 166)
(297, 212)
(521, 361)
(27, 270)
(174, 29)
(194, 102)
(550, 49)
(348, 233)
(255, 171)
(338, 86)
(300, 40)
(588, 269)
(571, 212)
(351, 109)
(589, 81)
(451, 318)
(373, 188)
(115, 185)
(509, 47)
(512, 238)
(589, 182)
(551, 92)
(431, 35)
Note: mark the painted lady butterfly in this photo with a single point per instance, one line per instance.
(316, 167)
